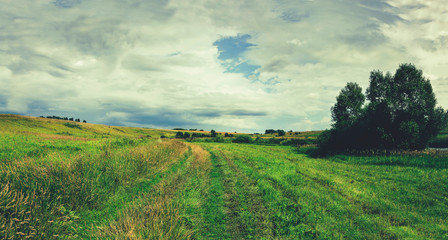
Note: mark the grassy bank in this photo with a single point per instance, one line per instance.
(93, 181)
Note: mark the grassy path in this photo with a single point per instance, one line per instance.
(287, 195)
(242, 213)
(140, 189)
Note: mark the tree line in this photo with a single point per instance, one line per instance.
(64, 118)
(280, 132)
(212, 134)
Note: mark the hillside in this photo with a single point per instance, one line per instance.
(67, 180)
(54, 128)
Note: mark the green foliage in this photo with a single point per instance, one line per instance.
(213, 133)
(126, 186)
(219, 138)
(179, 135)
(281, 133)
(186, 135)
(401, 114)
(228, 135)
(243, 139)
(72, 125)
(348, 107)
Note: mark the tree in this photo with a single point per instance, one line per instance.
(269, 131)
(179, 135)
(186, 135)
(401, 113)
(408, 106)
(213, 133)
(348, 107)
(281, 133)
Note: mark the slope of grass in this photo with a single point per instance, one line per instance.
(61, 181)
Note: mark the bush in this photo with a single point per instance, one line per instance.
(72, 125)
(179, 135)
(243, 139)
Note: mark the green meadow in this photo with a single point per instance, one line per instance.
(68, 180)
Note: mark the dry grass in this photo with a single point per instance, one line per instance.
(201, 159)
(159, 214)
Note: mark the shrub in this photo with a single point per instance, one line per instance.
(243, 139)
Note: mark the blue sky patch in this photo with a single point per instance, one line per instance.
(231, 53)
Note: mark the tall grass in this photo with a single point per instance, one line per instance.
(46, 192)
(130, 185)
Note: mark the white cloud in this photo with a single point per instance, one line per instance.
(149, 58)
(423, 37)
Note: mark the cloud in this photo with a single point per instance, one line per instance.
(227, 65)
(66, 3)
(422, 36)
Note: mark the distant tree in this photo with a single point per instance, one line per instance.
(71, 119)
(179, 135)
(84, 121)
(213, 133)
(228, 135)
(77, 120)
(243, 139)
(281, 133)
(186, 135)
(270, 131)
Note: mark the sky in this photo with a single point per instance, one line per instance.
(234, 65)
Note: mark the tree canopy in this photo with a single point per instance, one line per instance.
(401, 113)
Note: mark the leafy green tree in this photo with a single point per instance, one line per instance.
(408, 107)
(401, 113)
(348, 107)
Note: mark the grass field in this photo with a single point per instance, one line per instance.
(67, 180)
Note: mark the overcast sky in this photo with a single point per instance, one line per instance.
(230, 65)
